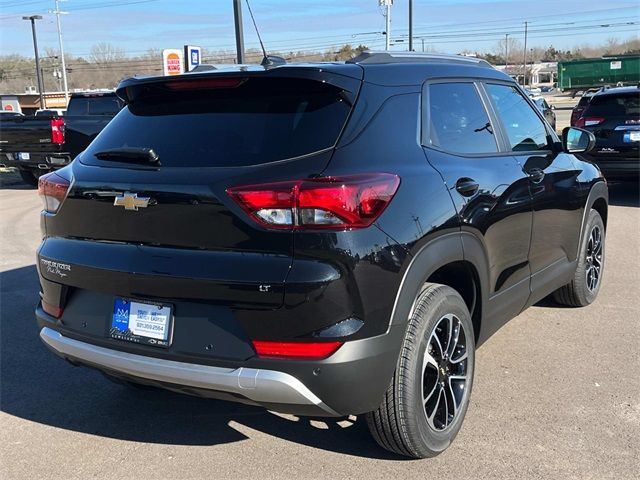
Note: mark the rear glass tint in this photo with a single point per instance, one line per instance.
(626, 105)
(107, 105)
(260, 121)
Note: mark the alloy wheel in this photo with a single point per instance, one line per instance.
(444, 372)
(593, 269)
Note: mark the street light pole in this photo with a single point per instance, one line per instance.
(411, 25)
(237, 15)
(387, 17)
(506, 52)
(526, 24)
(64, 66)
(33, 19)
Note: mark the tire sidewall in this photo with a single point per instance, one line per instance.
(588, 296)
(446, 302)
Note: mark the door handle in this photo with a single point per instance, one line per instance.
(467, 187)
(536, 175)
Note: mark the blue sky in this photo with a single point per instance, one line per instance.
(445, 25)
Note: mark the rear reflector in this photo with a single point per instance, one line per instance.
(57, 131)
(53, 188)
(354, 201)
(52, 310)
(300, 350)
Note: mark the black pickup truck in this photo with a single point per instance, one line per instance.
(40, 144)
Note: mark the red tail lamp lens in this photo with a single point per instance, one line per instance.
(52, 310)
(57, 131)
(589, 121)
(53, 189)
(300, 350)
(354, 201)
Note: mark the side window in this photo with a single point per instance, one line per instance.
(525, 131)
(457, 119)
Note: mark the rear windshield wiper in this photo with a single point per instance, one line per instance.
(126, 154)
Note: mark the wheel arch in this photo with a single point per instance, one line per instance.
(445, 260)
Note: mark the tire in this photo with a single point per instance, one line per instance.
(400, 423)
(29, 177)
(584, 287)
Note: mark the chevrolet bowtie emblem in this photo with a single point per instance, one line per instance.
(131, 201)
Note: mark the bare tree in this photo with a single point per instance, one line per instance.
(104, 53)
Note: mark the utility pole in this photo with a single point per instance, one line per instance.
(64, 66)
(387, 16)
(526, 24)
(237, 16)
(422, 44)
(33, 19)
(506, 52)
(411, 25)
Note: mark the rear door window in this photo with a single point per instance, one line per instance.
(524, 128)
(258, 121)
(457, 120)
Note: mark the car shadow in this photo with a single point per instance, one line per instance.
(40, 387)
(624, 194)
(11, 180)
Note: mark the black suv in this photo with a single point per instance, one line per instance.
(613, 115)
(319, 239)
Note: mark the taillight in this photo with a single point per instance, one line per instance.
(589, 121)
(57, 131)
(206, 83)
(52, 310)
(53, 189)
(354, 201)
(299, 350)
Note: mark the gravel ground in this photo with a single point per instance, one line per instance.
(556, 395)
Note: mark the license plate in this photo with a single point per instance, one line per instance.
(634, 136)
(141, 322)
(24, 156)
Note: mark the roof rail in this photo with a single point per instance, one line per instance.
(377, 57)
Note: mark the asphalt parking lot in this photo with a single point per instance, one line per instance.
(556, 395)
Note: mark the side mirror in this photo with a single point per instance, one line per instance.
(553, 107)
(577, 140)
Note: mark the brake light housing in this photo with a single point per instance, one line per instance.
(336, 203)
(295, 350)
(589, 121)
(57, 131)
(53, 188)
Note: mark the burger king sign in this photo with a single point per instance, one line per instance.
(172, 61)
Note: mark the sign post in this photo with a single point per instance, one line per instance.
(172, 61)
(193, 57)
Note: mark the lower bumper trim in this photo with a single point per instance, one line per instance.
(259, 385)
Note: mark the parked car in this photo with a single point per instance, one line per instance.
(547, 111)
(41, 143)
(576, 113)
(319, 239)
(50, 112)
(613, 115)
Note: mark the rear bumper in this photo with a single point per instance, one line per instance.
(37, 161)
(258, 385)
(351, 381)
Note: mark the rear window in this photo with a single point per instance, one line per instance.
(262, 120)
(627, 105)
(104, 105)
